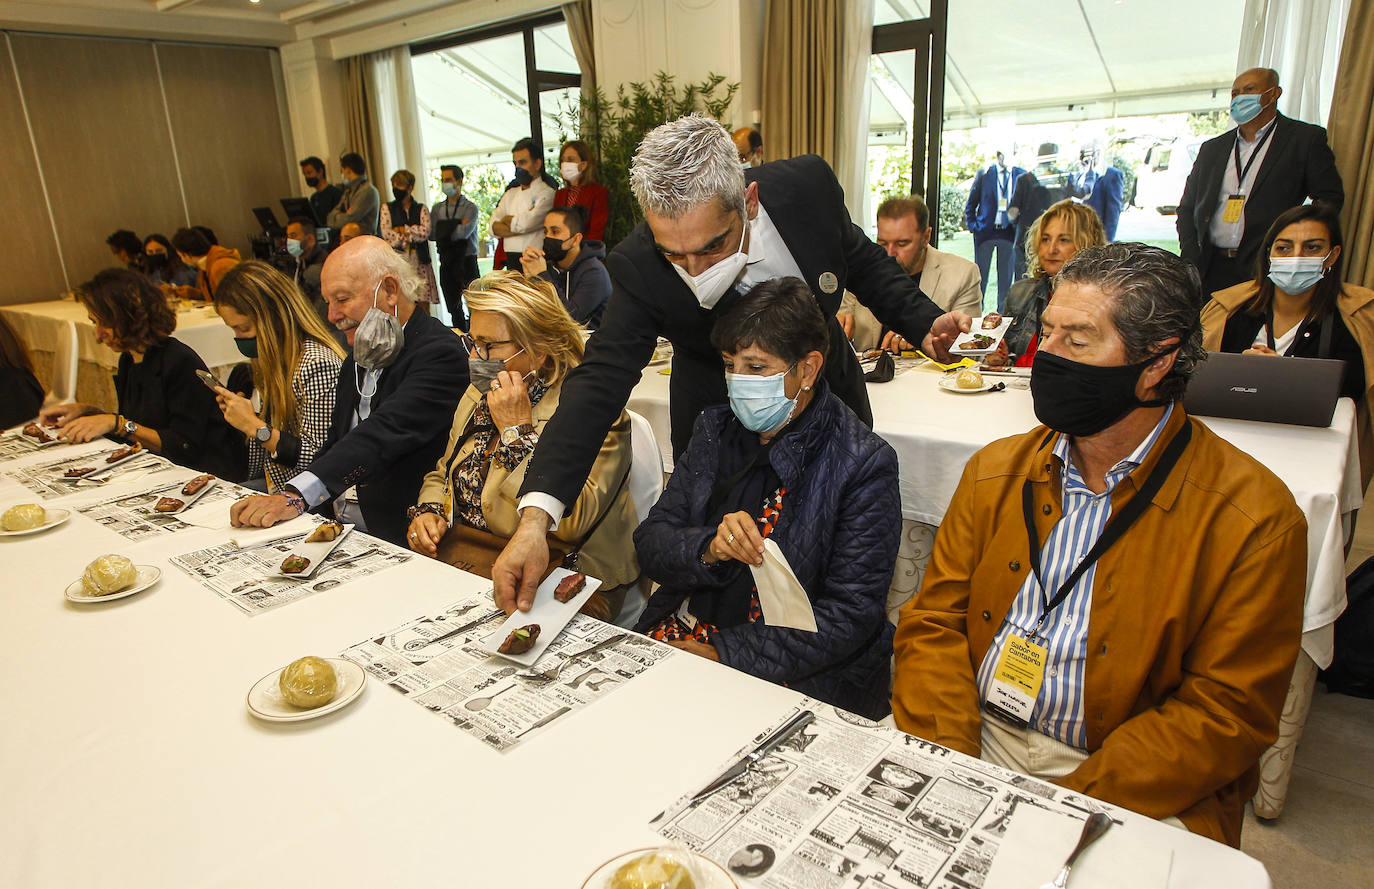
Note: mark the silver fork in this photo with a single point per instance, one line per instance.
(555, 671)
(1093, 829)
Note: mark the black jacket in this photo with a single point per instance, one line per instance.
(1298, 165)
(388, 454)
(23, 396)
(649, 300)
(163, 393)
(585, 287)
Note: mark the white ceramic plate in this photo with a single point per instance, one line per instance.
(265, 700)
(147, 576)
(103, 469)
(54, 518)
(709, 874)
(948, 384)
(185, 501)
(550, 614)
(315, 552)
(995, 333)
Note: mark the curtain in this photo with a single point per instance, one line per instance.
(1296, 38)
(815, 74)
(1351, 133)
(578, 15)
(395, 116)
(357, 116)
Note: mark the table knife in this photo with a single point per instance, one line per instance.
(788, 729)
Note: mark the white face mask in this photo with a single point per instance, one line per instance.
(569, 171)
(710, 285)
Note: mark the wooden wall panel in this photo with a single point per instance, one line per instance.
(227, 125)
(101, 128)
(32, 269)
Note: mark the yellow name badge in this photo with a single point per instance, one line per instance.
(1002, 205)
(1235, 204)
(1017, 680)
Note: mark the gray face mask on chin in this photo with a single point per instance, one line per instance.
(380, 336)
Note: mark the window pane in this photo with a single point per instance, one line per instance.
(553, 49)
(472, 100)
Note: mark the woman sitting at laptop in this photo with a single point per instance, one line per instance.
(1298, 307)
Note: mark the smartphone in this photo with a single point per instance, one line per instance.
(208, 379)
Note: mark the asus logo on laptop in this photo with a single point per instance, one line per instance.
(1248, 390)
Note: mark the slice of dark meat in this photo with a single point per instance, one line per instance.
(169, 504)
(520, 640)
(294, 564)
(569, 587)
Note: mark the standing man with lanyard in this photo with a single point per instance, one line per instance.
(1114, 602)
(993, 229)
(711, 231)
(453, 229)
(1243, 179)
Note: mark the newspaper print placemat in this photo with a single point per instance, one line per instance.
(45, 477)
(849, 804)
(16, 445)
(242, 576)
(436, 662)
(131, 516)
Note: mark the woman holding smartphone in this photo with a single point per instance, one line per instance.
(295, 362)
(161, 406)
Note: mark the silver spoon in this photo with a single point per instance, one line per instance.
(483, 703)
(1093, 829)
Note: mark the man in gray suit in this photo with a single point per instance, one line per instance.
(953, 283)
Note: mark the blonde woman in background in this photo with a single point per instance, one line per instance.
(1053, 239)
(405, 225)
(521, 346)
(295, 361)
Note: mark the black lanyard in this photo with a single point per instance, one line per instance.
(1240, 173)
(1323, 338)
(1116, 528)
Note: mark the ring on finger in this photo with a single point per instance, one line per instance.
(731, 538)
(495, 385)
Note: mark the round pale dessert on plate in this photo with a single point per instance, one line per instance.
(109, 574)
(308, 682)
(24, 517)
(965, 382)
(660, 868)
(146, 576)
(266, 701)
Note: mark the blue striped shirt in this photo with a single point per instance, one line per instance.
(1058, 712)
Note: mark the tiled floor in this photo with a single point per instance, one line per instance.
(1325, 836)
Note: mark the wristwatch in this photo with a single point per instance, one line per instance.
(263, 434)
(130, 427)
(511, 433)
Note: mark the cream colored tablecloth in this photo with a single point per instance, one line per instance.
(129, 759)
(40, 324)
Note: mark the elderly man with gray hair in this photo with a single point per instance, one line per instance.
(711, 231)
(1114, 601)
(394, 403)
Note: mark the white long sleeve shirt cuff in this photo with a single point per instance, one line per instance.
(311, 488)
(547, 502)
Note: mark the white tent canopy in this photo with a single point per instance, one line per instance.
(1051, 61)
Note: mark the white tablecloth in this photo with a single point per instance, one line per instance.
(936, 432)
(128, 758)
(39, 324)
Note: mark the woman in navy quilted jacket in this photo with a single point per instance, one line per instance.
(789, 463)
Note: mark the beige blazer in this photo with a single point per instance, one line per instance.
(1356, 305)
(951, 282)
(610, 553)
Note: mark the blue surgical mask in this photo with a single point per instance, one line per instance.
(1296, 274)
(293, 247)
(449, 188)
(1246, 107)
(760, 403)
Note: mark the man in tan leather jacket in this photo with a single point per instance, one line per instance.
(1155, 677)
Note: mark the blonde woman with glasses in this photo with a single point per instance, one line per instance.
(295, 361)
(521, 346)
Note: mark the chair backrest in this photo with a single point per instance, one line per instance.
(65, 363)
(646, 465)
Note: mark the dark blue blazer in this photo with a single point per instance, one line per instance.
(980, 212)
(388, 454)
(839, 527)
(1105, 198)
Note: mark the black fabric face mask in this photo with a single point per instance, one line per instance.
(155, 260)
(312, 181)
(1083, 399)
(400, 193)
(523, 176)
(554, 251)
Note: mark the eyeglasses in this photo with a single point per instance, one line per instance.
(481, 350)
